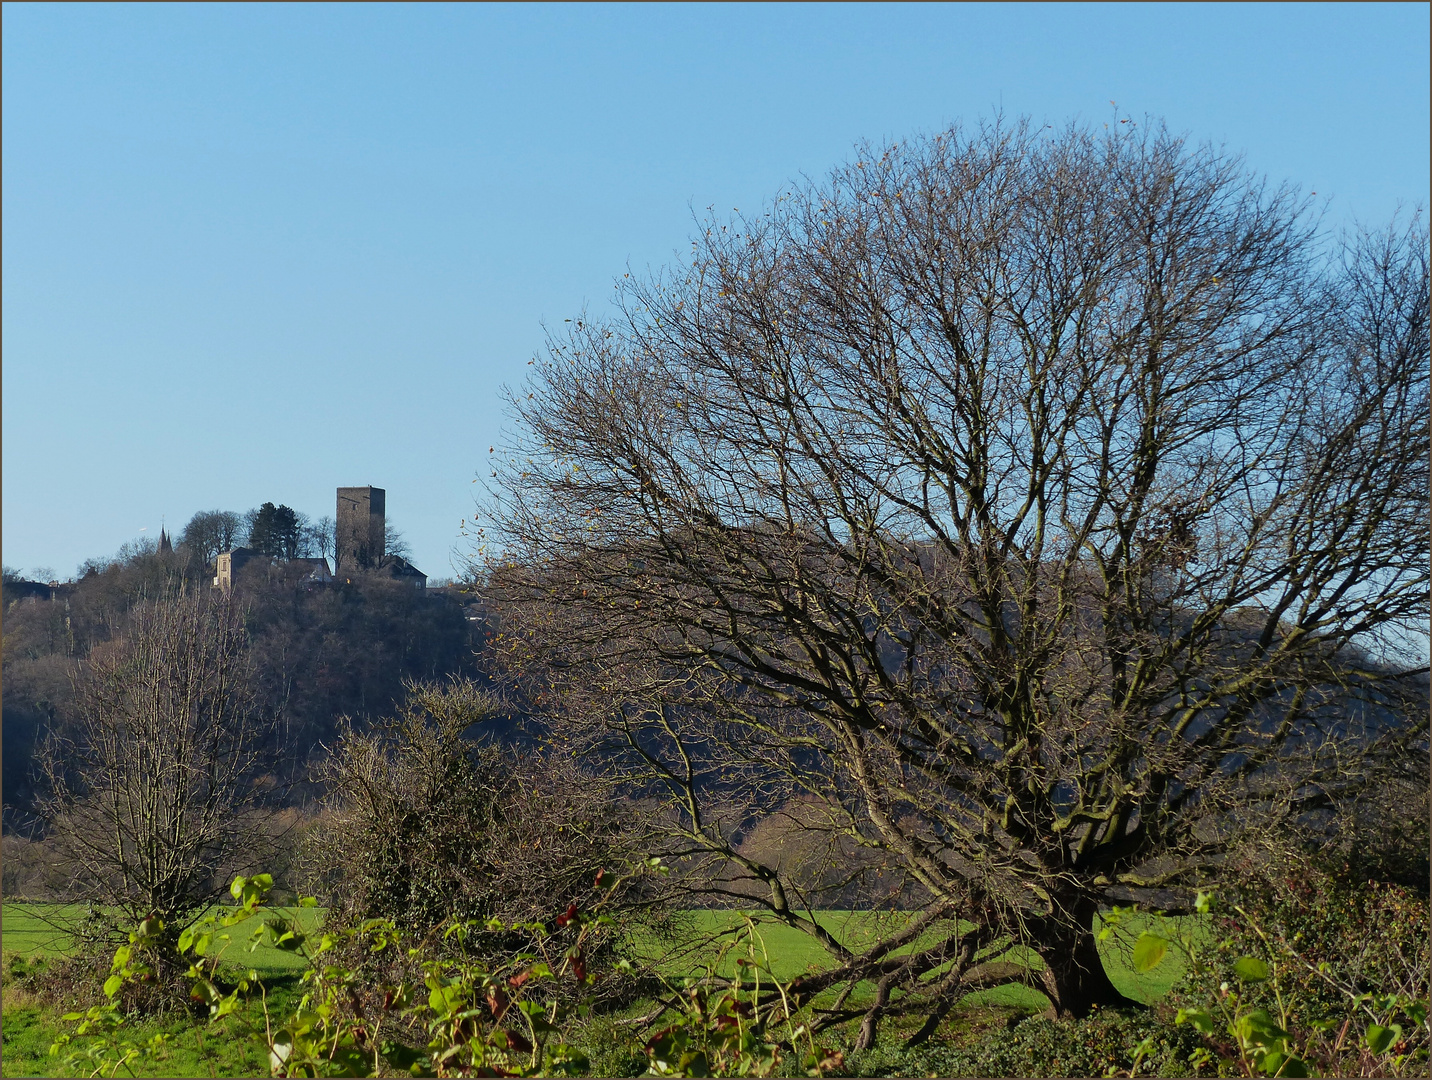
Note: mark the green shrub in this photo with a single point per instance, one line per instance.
(1341, 968)
(1102, 1043)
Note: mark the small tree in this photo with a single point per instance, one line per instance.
(318, 539)
(394, 543)
(151, 794)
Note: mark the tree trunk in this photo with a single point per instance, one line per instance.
(1074, 975)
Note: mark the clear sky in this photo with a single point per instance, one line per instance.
(255, 252)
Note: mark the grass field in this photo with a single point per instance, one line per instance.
(709, 943)
(36, 932)
(705, 941)
(40, 930)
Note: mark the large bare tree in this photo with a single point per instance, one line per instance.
(1023, 511)
(154, 790)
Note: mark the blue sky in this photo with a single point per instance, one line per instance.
(256, 252)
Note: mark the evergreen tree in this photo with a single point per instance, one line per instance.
(275, 531)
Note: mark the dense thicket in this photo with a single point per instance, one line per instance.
(424, 819)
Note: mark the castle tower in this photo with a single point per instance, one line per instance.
(359, 531)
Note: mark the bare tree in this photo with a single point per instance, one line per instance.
(394, 543)
(1042, 507)
(152, 790)
(318, 538)
(210, 532)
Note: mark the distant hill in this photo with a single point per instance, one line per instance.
(323, 651)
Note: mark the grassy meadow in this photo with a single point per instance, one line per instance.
(709, 943)
(35, 936)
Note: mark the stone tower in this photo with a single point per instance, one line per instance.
(359, 532)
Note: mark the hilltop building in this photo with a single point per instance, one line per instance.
(399, 569)
(360, 534)
(232, 564)
(359, 539)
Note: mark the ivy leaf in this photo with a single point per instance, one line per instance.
(1379, 1039)
(1250, 969)
(1149, 951)
(1201, 1019)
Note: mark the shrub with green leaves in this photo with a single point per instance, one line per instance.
(450, 1017)
(1108, 1042)
(449, 1014)
(1316, 975)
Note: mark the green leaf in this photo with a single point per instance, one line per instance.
(112, 985)
(1257, 1028)
(1149, 951)
(1281, 1063)
(1201, 1019)
(1250, 969)
(205, 991)
(1380, 1039)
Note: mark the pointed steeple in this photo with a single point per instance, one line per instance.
(164, 544)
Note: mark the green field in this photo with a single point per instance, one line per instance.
(37, 933)
(704, 941)
(40, 929)
(708, 942)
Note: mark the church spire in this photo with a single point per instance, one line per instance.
(164, 544)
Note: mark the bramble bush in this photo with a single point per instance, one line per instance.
(1310, 975)
(1315, 976)
(749, 1025)
(450, 1017)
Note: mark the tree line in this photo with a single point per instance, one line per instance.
(317, 654)
(277, 531)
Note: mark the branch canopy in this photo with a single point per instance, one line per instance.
(1028, 500)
